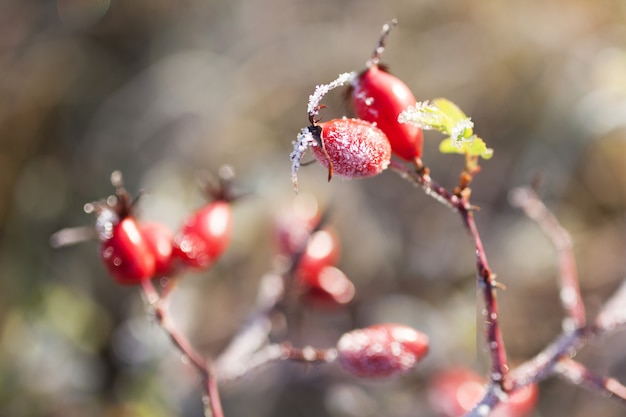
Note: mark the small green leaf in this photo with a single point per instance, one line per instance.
(446, 117)
(474, 146)
(450, 109)
(458, 124)
(478, 147)
(447, 146)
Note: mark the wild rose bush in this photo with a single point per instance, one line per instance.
(387, 134)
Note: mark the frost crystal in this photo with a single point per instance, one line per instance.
(323, 89)
(304, 141)
(458, 132)
(423, 114)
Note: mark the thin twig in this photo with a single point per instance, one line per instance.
(613, 314)
(485, 277)
(212, 401)
(571, 299)
(486, 281)
(578, 374)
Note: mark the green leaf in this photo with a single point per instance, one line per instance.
(458, 124)
(449, 109)
(474, 146)
(478, 147)
(446, 117)
(447, 146)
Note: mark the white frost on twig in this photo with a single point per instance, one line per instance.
(323, 89)
(304, 140)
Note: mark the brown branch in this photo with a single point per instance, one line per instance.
(213, 405)
(613, 314)
(485, 277)
(570, 296)
(578, 374)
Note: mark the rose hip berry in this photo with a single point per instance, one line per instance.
(159, 239)
(351, 148)
(204, 235)
(454, 392)
(124, 250)
(381, 350)
(379, 97)
(127, 254)
(322, 250)
(328, 289)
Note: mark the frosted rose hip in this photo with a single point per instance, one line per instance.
(356, 148)
(381, 350)
(350, 148)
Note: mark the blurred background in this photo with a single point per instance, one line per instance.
(164, 89)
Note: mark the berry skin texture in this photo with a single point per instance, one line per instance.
(379, 98)
(159, 239)
(126, 253)
(204, 235)
(381, 350)
(355, 148)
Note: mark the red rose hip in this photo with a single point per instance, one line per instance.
(126, 254)
(204, 235)
(329, 289)
(159, 239)
(382, 350)
(355, 148)
(379, 97)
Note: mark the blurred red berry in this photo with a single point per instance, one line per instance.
(127, 254)
(520, 404)
(322, 250)
(454, 392)
(355, 148)
(159, 239)
(381, 350)
(328, 289)
(204, 235)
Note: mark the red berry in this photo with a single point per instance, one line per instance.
(321, 251)
(381, 350)
(380, 97)
(159, 239)
(328, 289)
(355, 148)
(126, 253)
(520, 403)
(453, 393)
(204, 235)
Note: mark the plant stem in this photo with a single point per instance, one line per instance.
(485, 277)
(213, 405)
(571, 299)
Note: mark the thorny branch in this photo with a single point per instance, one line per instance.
(485, 277)
(556, 357)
